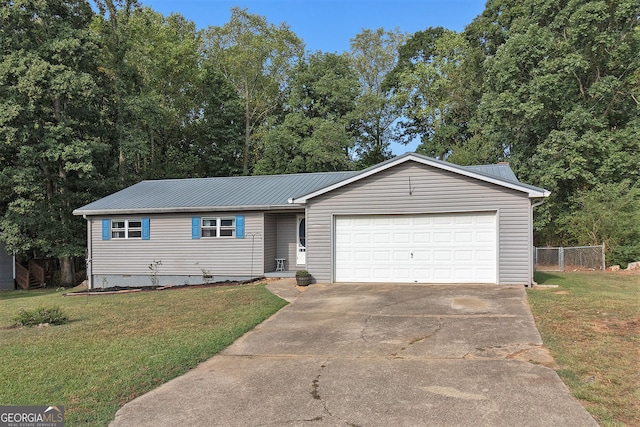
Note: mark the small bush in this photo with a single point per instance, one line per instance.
(302, 273)
(40, 315)
(623, 255)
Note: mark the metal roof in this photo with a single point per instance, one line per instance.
(501, 170)
(246, 192)
(269, 191)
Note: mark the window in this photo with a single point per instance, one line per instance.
(218, 227)
(126, 229)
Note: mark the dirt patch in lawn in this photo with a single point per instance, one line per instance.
(617, 326)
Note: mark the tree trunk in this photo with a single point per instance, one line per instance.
(66, 272)
(247, 137)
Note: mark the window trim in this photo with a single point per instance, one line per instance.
(127, 229)
(219, 228)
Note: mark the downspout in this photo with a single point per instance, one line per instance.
(533, 205)
(88, 261)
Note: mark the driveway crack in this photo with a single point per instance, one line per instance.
(366, 325)
(315, 391)
(419, 339)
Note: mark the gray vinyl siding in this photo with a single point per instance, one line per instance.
(270, 241)
(433, 191)
(6, 269)
(287, 239)
(171, 243)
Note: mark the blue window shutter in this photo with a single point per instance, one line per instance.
(145, 229)
(195, 227)
(106, 229)
(240, 227)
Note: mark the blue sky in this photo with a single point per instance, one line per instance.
(329, 25)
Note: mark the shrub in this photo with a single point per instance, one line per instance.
(40, 315)
(302, 273)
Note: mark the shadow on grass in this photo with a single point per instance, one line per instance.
(542, 277)
(4, 295)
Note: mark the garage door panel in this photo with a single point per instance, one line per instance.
(463, 220)
(442, 237)
(382, 237)
(362, 256)
(361, 222)
(463, 255)
(345, 258)
(400, 220)
(382, 274)
(422, 275)
(442, 220)
(401, 237)
(362, 238)
(419, 237)
(463, 274)
(442, 274)
(485, 274)
(463, 237)
(422, 220)
(440, 255)
(488, 220)
(402, 274)
(381, 221)
(485, 237)
(416, 248)
(421, 256)
(381, 256)
(486, 256)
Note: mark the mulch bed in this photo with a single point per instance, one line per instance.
(131, 289)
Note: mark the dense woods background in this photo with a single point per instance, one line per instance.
(92, 101)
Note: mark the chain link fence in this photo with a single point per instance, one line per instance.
(569, 258)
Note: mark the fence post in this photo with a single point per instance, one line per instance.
(604, 265)
(561, 258)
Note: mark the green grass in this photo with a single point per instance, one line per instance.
(591, 325)
(117, 347)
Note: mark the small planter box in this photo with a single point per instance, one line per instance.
(303, 280)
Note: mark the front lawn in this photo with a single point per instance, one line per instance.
(117, 347)
(591, 325)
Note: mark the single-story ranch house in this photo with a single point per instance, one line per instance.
(409, 219)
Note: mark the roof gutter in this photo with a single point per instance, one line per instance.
(95, 212)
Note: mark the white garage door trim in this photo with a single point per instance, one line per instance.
(425, 248)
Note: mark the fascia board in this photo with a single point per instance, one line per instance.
(143, 211)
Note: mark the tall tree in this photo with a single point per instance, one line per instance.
(48, 115)
(316, 133)
(213, 143)
(256, 58)
(559, 98)
(374, 55)
(121, 83)
(165, 54)
(439, 79)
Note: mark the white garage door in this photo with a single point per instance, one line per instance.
(451, 248)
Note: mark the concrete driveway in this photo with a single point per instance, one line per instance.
(375, 355)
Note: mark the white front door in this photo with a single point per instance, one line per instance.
(301, 245)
